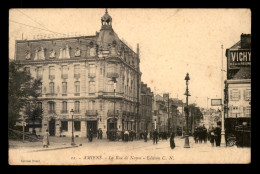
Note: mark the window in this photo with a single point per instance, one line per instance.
(77, 125)
(39, 72)
(40, 89)
(110, 86)
(76, 71)
(64, 107)
(77, 87)
(92, 70)
(27, 106)
(248, 111)
(235, 95)
(64, 87)
(51, 70)
(77, 106)
(39, 105)
(100, 106)
(91, 87)
(51, 87)
(64, 71)
(247, 94)
(51, 107)
(27, 70)
(91, 105)
(64, 125)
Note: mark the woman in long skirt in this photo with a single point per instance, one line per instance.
(45, 140)
(172, 143)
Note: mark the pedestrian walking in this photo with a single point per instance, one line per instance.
(122, 135)
(45, 140)
(90, 135)
(155, 136)
(126, 134)
(212, 138)
(145, 136)
(217, 133)
(172, 143)
(100, 133)
(196, 137)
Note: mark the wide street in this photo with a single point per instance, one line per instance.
(60, 152)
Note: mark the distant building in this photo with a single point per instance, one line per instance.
(77, 74)
(146, 116)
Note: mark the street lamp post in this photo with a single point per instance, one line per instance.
(187, 144)
(72, 136)
(114, 120)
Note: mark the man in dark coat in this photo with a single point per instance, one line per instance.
(172, 143)
(217, 133)
(155, 136)
(145, 136)
(196, 135)
(90, 135)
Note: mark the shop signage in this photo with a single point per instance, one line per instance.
(240, 58)
(216, 102)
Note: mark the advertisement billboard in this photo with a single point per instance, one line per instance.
(238, 58)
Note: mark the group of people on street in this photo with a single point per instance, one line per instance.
(215, 136)
(200, 134)
(114, 134)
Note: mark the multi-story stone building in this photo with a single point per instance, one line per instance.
(77, 73)
(238, 84)
(146, 108)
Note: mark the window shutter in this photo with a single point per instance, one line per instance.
(239, 92)
(231, 95)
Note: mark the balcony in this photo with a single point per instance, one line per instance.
(51, 95)
(91, 113)
(64, 76)
(91, 74)
(76, 111)
(111, 112)
(51, 77)
(112, 74)
(64, 111)
(51, 112)
(76, 76)
(76, 94)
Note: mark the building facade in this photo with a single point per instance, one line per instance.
(238, 84)
(77, 73)
(146, 108)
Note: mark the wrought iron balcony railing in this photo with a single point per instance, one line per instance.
(112, 74)
(64, 111)
(91, 112)
(51, 77)
(77, 76)
(111, 112)
(64, 76)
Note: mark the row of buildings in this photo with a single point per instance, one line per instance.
(97, 76)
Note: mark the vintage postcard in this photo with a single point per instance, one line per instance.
(129, 86)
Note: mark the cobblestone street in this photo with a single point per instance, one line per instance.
(136, 152)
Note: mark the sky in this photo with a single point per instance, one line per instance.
(172, 42)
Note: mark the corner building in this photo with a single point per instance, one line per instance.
(77, 74)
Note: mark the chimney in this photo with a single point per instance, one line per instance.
(245, 41)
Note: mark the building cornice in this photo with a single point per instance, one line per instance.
(238, 81)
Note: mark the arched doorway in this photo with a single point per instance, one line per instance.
(52, 127)
(111, 124)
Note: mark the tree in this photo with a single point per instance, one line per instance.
(22, 88)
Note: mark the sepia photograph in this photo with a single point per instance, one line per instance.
(109, 86)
